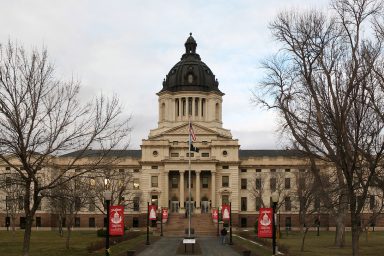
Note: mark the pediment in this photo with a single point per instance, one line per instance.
(198, 129)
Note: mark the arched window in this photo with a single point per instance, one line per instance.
(177, 107)
(162, 112)
(217, 112)
(196, 106)
(202, 107)
(183, 106)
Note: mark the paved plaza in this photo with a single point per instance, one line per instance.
(168, 246)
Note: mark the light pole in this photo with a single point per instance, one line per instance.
(107, 197)
(275, 198)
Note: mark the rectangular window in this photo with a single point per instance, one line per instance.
(91, 222)
(258, 203)
(204, 142)
(243, 170)
(273, 170)
(272, 184)
(258, 170)
(136, 184)
(38, 221)
(225, 181)
(317, 203)
(287, 170)
(243, 204)
(258, 183)
(77, 222)
(21, 202)
(287, 203)
(175, 183)
(372, 202)
(204, 154)
(187, 182)
(121, 170)
(192, 154)
(205, 182)
(154, 167)
(225, 199)
(154, 181)
(174, 154)
(77, 203)
(288, 223)
(91, 206)
(175, 143)
(225, 167)
(136, 204)
(8, 182)
(287, 183)
(243, 183)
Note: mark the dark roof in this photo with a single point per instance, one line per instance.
(99, 152)
(270, 153)
(190, 73)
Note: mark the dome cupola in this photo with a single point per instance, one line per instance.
(190, 73)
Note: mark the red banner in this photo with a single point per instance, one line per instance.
(164, 212)
(152, 209)
(225, 212)
(116, 220)
(215, 214)
(265, 223)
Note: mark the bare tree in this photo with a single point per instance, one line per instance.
(327, 84)
(12, 187)
(42, 117)
(67, 200)
(121, 184)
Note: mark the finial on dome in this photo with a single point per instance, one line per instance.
(190, 44)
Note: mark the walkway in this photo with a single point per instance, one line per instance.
(167, 246)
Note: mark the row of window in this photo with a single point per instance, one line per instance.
(288, 203)
(272, 183)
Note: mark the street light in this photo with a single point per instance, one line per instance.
(275, 199)
(107, 197)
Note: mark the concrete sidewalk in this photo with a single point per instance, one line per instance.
(167, 246)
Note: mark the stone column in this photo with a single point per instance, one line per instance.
(198, 208)
(182, 209)
(166, 190)
(213, 189)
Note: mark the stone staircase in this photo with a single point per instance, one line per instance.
(202, 223)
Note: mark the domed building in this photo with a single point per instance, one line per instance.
(219, 172)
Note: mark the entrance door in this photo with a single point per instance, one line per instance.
(204, 206)
(187, 206)
(174, 206)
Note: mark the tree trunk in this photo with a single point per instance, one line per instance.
(27, 235)
(303, 239)
(340, 230)
(355, 221)
(68, 237)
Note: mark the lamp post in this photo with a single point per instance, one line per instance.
(107, 197)
(275, 199)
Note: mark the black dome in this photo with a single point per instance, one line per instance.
(190, 73)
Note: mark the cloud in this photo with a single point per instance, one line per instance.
(128, 47)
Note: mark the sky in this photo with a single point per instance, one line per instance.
(126, 48)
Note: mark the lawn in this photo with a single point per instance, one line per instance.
(49, 243)
(317, 245)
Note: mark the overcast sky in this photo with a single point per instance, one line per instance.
(127, 47)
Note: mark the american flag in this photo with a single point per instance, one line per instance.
(191, 132)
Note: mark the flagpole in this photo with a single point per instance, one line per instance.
(189, 178)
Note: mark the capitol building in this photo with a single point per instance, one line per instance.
(220, 172)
